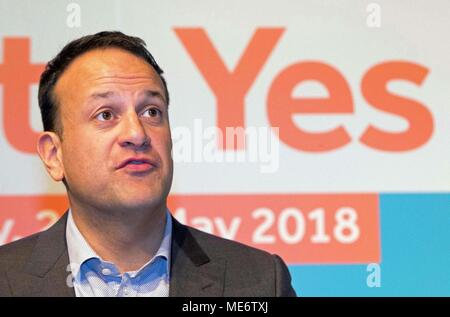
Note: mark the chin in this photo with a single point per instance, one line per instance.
(138, 197)
(139, 202)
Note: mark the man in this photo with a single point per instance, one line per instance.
(104, 106)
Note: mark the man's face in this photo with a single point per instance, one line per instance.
(116, 143)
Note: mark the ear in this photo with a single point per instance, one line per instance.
(49, 149)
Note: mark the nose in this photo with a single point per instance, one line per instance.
(132, 133)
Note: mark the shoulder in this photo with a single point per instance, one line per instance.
(20, 252)
(14, 256)
(16, 253)
(245, 265)
(216, 246)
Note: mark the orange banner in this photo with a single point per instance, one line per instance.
(301, 228)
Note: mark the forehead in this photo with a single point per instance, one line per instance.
(102, 67)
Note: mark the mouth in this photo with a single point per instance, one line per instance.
(135, 164)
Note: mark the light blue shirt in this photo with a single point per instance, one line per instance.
(91, 276)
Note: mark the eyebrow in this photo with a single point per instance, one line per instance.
(108, 94)
(154, 93)
(102, 95)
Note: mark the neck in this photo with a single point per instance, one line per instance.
(127, 238)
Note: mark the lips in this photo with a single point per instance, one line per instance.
(137, 164)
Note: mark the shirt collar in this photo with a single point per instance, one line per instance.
(80, 251)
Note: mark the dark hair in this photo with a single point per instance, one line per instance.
(56, 67)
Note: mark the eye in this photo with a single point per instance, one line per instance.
(106, 115)
(152, 112)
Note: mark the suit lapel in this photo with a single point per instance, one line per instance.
(193, 273)
(45, 273)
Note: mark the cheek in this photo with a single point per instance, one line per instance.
(163, 145)
(167, 144)
(83, 157)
